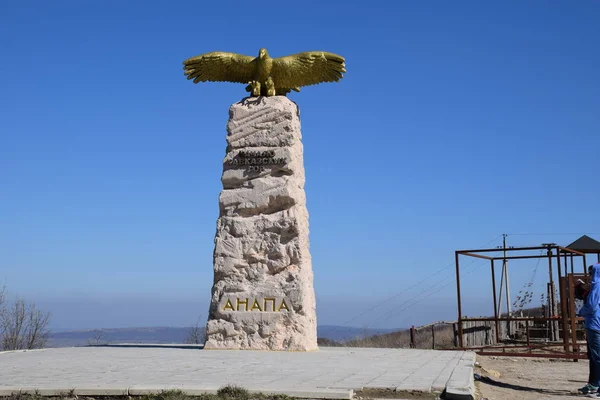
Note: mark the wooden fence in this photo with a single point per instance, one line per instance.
(483, 333)
(439, 335)
(444, 335)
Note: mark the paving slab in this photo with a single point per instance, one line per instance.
(461, 385)
(329, 373)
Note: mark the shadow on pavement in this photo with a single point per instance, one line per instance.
(492, 382)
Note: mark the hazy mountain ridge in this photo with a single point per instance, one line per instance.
(337, 332)
(166, 334)
(160, 335)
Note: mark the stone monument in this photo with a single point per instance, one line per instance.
(263, 296)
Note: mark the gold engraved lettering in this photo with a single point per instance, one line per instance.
(272, 300)
(266, 304)
(228, 306)
(238, 303)
(256, 305)
(283, 305)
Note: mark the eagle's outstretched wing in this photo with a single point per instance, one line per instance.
(308, 68)
(219, 66)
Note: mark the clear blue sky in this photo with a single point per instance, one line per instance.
(456, 122)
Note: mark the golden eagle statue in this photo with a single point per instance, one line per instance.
(264, 75)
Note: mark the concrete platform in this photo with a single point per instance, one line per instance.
(332, 373)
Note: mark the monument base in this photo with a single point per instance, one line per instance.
(263, 296)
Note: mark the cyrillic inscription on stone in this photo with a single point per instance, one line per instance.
(254, 304)
(255, 160)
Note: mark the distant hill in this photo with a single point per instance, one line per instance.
(161, 334)
(166, 335)
(444, 339)
(335, 332)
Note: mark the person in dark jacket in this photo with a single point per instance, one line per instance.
(591, 312)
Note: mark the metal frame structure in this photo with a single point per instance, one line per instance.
(560, 260)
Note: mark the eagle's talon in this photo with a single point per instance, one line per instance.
(270, 87)
(255, 86)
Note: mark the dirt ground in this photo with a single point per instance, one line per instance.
(529, 378)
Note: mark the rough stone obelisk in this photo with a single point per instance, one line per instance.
(263, 295)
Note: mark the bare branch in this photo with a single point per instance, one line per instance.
(97, 338)
(37, 331)
(2, 312)
(2, 297)
(23, 326)
(196, 333)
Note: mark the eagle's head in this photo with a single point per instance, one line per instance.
(263, 54)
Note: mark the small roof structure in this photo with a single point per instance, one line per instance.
(585, 244)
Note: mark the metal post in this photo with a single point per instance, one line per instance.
(551, 297)
(503, 278)
(501, 287)
(555, 325)
(455, 331)
(563, 309)
(506, 278)
(459, 322)
(547, 311)
(571, 284)
(495, 302)
(508, 306)
(527, 332)
(433, 336)
(572, 265)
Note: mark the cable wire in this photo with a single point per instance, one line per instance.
(552, 234)
(332, 329)
(409, 303)
(415, 300)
